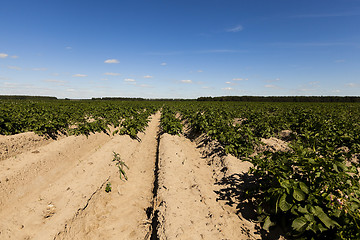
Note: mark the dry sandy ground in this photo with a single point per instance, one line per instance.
(188, 206)
(121, 214)
(56, 190)
(19, 143)
(45, 191)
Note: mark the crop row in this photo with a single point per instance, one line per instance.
(311, 190)
(74, 117)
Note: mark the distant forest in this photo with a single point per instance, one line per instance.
(282, 99)
(223, 98)
(19, 97)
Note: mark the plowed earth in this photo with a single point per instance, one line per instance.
(55, 189)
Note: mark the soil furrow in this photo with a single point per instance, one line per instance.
(44, 213)
(188, 206)
(154, 212)
(67, 226)
(122, 213)
(25, 175)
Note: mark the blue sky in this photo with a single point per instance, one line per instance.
(179, 49)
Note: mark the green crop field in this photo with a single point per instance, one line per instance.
(311, 190)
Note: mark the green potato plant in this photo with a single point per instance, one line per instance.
(108, 187)
(120, 164)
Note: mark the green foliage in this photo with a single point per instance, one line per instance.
(169, 123)
(316, 193)
(108, 187)
(51, 118)
(120, 164)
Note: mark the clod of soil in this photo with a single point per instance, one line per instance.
(50, 210)
(286, 135)
(274, 145)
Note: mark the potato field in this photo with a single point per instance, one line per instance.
(108, 169)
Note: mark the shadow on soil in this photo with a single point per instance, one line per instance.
(234, 187)
(203, 141)
(233, 192)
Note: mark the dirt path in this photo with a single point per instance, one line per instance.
(188, 206)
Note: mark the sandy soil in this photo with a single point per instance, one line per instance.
(188, 206)
(19, 143)
(273, 144)
(121, 214)
(56, 189)
(43, 191)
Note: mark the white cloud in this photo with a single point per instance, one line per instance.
(112, 74)
(227, 89)
(240, 79)
(205, 87)
(228, 82)
(70, 90)
(163, 64)
(3, 55)
(237, 28)
(111, 61)
(200, 71)
(148, 76)
(79, 75)
(14, 57)
(351, 84)
(336, 91)
(271, 86)
(14, 68)
(186, 81)
(145, 86)
(68, 48)
(129, 80)
(39, 69)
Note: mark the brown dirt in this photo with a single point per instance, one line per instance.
(274, 145)
(238, 121)
(188, 206)
(121, 213)
(43, 192)
(285, 135)
(20, 143)
(56, 189)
